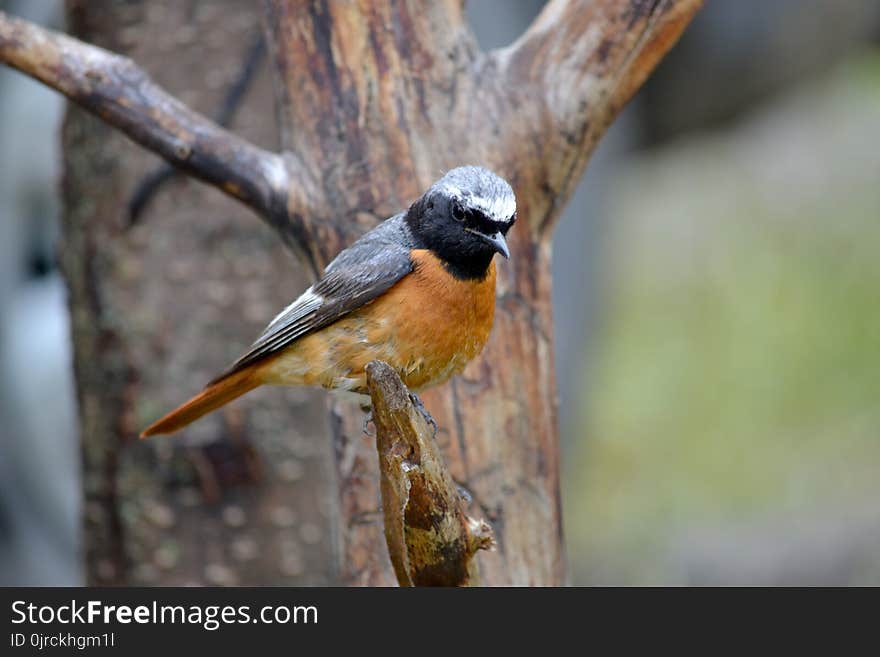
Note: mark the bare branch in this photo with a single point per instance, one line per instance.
(580, 62)
(123, 95)
(430, 538)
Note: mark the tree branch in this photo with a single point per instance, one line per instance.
(430, 538)
(115, 89)
(581, 61)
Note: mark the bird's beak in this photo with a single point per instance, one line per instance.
(497, 241)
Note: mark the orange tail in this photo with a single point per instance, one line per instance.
(211, 398)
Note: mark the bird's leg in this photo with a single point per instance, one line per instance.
(420, 406)
(464, 491)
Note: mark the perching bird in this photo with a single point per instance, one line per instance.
(417, 291)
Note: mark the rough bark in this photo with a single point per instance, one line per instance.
(158, 309)
(431, 540)
(118, 91)
(384, 97)
(375, 100)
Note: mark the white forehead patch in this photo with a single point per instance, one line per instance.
(499, 207)
(480, 189)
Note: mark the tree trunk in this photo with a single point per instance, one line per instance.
(158, 309)
(385, 97)
(375, 100)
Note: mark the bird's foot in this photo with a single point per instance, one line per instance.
(464, 491)
(420, 406)
(367, 419)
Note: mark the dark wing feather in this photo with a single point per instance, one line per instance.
(358, 275)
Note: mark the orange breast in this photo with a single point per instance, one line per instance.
(428, 327)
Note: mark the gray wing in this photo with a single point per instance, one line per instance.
(358, 275)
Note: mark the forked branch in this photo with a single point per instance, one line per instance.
(577, 65)
(123, 95)
(431, 540)
(596, 52)
(386, 95)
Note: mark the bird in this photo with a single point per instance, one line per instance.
(417, 291)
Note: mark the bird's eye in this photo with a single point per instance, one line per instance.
(458, 212)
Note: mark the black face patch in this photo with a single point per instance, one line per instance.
(454, 219)
(448, 228)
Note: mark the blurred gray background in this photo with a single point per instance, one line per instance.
(716, 298)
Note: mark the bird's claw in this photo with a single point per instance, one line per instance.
(420, 406)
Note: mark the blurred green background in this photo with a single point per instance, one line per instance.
(729, 427)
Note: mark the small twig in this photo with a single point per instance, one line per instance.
(431, 540)
(153, 181)
(146, 189)
(253, 57)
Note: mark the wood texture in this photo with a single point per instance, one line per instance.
(123, 95)
(375, 101)
(431, 540)
(158, 309)
(387, 96)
